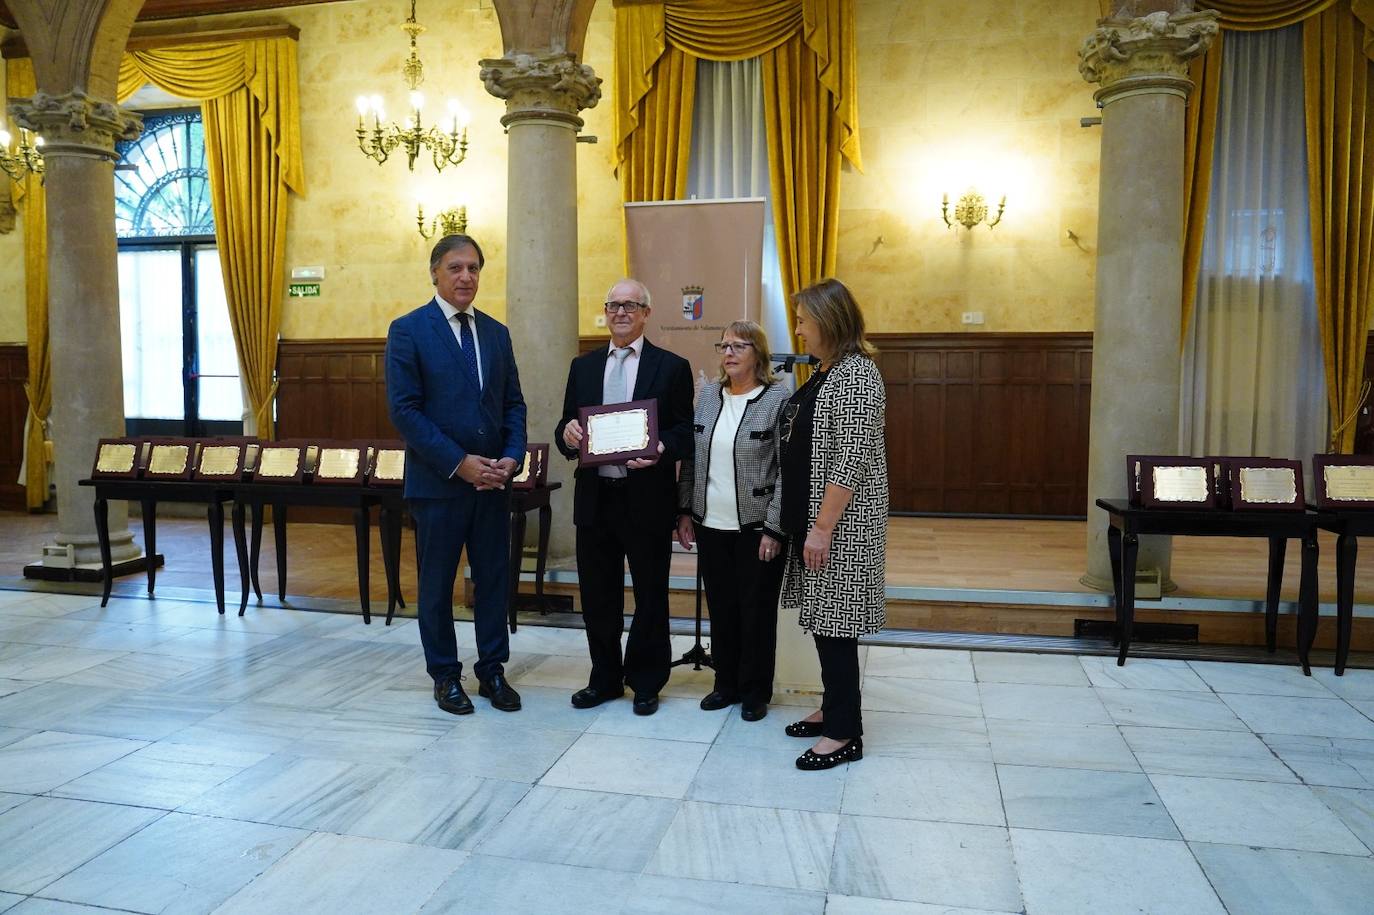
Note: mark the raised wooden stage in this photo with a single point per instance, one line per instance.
(944, 574)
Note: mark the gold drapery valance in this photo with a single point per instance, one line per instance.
(734, 30)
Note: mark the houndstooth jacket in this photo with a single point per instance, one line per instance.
(758, 489)
(847, 598)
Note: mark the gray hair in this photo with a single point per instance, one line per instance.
(453, 243)
(643, 290)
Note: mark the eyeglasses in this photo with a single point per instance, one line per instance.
(628, 307)
(733, 347)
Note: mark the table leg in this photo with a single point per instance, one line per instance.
(1278, 548)
(255, 549)
(541, 559)
(150, 540)
(216, 515)
(1114, 551)
(360, 532)
(241, 553)
(1346, 551)
(1307, 601)
(102, 533)
(279, 532)
(1130, 547)
(517, 552)
(390, 559)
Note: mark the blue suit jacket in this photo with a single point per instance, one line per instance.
(436, 406)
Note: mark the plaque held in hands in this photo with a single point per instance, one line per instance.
(618, 433)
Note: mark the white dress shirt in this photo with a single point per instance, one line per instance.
(451, 314)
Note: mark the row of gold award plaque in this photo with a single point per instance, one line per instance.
(1341, 481)
(234, 460)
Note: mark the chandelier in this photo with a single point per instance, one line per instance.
(453, 221)
(447, 146)
(26, 158)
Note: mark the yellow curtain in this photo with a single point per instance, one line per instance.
(1199, 140)
(1337, 81)
(29, 194)
(251, 108)
(808, 55)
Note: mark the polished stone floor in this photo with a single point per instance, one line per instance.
(155, 757)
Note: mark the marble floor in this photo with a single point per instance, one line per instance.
(155, 757)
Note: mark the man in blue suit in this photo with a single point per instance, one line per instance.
(454, 394)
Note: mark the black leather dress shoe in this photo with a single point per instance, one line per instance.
(646, 703)
(715, 699)
(448, 692)
(502, 695)
(754, 711)
(811, 761)
(591, 697)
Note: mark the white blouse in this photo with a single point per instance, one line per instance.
(722, 513)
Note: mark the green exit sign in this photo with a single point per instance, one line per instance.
(303, 290)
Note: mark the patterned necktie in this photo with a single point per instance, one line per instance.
(469, 349)
(616, 391)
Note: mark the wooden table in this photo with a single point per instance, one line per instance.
(1129, 522)
(148, 493)
(1348, 524)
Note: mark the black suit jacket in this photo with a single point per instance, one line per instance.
(664, 376)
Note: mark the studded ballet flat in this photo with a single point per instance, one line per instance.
(803, 729)
(812, 761)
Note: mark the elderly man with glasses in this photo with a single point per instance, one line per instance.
(627, 513)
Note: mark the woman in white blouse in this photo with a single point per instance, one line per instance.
(730, 504)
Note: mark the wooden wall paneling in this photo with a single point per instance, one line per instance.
(332, 389)
(14, 407)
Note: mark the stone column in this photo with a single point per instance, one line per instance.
(1141, 64)
(544, 93)
(79, 134)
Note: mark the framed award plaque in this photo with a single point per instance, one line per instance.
(617, 433)
(536, 469)
(1266, 484)
(278, 463)
(117, 459)
(171, 459)
(340, 463)
(219, 461)
(1343, 480)
(1176, 482)
(387, 464)
(1135, 476)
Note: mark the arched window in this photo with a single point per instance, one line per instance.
(181, 373)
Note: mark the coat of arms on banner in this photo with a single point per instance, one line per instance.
(692, 298)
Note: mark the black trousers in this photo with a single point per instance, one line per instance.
(840, 680)
(619, 533)
(742, 593)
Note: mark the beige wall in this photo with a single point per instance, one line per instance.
(987, 87)
(972, 91)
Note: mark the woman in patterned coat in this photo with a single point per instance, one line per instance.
(834, 484)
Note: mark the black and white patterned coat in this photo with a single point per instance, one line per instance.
(758, 490)
(848, 448)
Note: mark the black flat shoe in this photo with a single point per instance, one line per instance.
(754, 712)
(812, 761)
(646, 704)
(502, 695)
(448, 693)
(591, 697)
(803, 729)
(715, 699)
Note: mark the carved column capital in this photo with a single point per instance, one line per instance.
(76, 124)
(546, 87)
(1148, 54)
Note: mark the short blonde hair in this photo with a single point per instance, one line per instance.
(831, 305)
(750, 332)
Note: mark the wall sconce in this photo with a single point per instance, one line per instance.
(453, 221)
(971, 209)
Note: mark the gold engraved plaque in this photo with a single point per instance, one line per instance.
(391, 464)
(338, 464)
(1180, 484)
(1349, 482)
(528, 469)
(279, 462)
(613, 433)
(169, 460)
(116, 458)
(219, 460)
(1274, 485)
